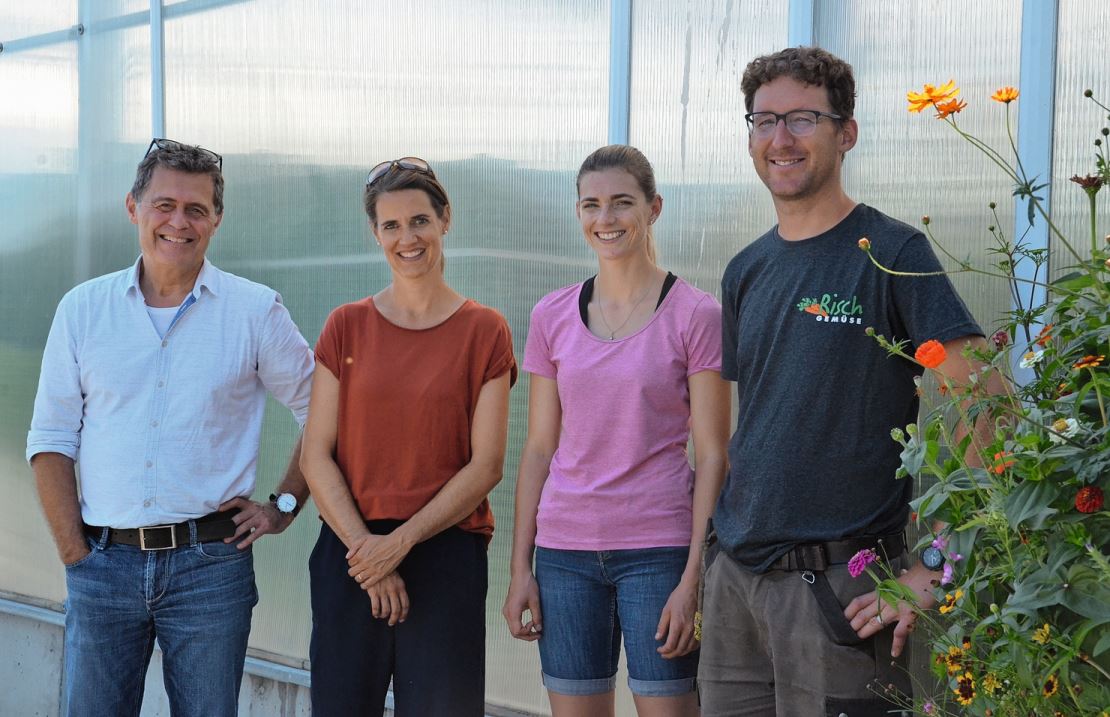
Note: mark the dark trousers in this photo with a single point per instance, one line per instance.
(436, 658)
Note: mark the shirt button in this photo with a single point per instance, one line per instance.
(147, 502)
(161, 384)
(149, 464)
(154, 424)
(165, 342)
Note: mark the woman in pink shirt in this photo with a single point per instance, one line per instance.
(624, 368)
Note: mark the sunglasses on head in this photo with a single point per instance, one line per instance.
(414, 163)
(169, 144)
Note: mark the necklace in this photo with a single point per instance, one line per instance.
(601, 311)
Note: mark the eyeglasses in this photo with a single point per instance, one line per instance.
(414, 163)
(800, 123)
(169, 144)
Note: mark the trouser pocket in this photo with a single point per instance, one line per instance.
(840, 630)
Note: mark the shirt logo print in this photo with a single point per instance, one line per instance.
(832, 309)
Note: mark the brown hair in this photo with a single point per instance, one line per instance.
(808, 65)
(631, 160)
(398, 179)
(180, 158)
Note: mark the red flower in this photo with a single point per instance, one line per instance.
(1089, 361)
(1043, 337)
(1002, 461)
(930, 354)
(1089, 499)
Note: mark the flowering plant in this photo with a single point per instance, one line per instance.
(1016, 507)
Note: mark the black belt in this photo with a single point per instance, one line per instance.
(819, 556)
(210, 528)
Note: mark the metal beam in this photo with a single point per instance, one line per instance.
(157, 70)
(800, 20)
(1035, 112)
(620, 70)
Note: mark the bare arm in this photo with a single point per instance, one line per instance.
(867, 613)
(545, 415)
(56, 481)
(710, 406)
(374, 557)
(255, 518)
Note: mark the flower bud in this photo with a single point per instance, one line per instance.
(990, 228)
(865, 244)
(917, 381)
(870, 330)
(925, 220)
(1106, 131)
(911, 429)
(897, 434)
(1088, 93)
(1098, 142)
(992, 205)
(994, 608)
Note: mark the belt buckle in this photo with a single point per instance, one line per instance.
(143, 533)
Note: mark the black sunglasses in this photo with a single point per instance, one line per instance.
(414, 163)
(169, 144)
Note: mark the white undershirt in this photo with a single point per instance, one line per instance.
(162, 318)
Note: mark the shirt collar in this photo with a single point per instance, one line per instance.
(209, 278)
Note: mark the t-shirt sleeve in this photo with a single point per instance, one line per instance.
(537, 351)
(501, 358)
(703, 340)
(729, 312)
(928, 306)
(329, 345)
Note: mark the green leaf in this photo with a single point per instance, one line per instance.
(1086, 594)
(1074, 281)
(1030, 502)
(1102, 645)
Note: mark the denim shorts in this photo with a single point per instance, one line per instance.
(589, 600)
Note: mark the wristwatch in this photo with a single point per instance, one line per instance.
(286, 503)
(932, 558)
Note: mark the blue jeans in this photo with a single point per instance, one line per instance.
(196, 599)
(589, 600)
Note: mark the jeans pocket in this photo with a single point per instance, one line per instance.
(93, 550)
(219, 550)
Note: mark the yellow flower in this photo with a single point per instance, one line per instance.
(931, 95)
(950, 107)
(1041, 635)
(1005, 95)
(965, 689)
(953, 661)
(950, 602)
(1051, 686)
(992, 684)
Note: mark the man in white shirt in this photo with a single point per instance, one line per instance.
(154, 381)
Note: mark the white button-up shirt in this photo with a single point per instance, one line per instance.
(165, 429)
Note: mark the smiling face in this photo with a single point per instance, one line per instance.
(799, 168)
(176, 217)
(410, 232)
(615, 214)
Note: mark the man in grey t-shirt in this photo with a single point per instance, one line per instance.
(812, 465)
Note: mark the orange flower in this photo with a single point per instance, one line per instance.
(1043, 337)
(1005, 95)
(1089, 499)
(1089, 361)
(950, 107)
(930, 354)
(1002, 461)
(931, 95)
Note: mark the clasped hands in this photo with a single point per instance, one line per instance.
(373, 561)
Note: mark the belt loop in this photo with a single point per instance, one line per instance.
(103, 542)
(192, 533)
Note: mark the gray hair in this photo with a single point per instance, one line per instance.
(181, 158)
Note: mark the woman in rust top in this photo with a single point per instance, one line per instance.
(405, 439)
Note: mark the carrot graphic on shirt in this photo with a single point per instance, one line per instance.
(812, 306)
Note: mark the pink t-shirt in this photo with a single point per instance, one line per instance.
(620, 477)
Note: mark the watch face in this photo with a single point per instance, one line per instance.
(932, 558)
(286, 502)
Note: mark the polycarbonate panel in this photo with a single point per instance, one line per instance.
(19, 20)
(688, 118)
(504, 99)
(911, 165)
(1080, 65)
(69, 143)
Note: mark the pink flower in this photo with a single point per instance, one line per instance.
(860, 561)
(946, 578)
(940, 543)
(928, 708)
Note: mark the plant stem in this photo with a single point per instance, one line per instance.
(1098, 394)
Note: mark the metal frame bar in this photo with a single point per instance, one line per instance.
(157, 70)
(620, 70)
(800, 20)
(1035, 114)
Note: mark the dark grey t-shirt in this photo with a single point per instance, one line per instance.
(812, 459)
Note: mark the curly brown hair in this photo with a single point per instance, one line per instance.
(809, 65)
